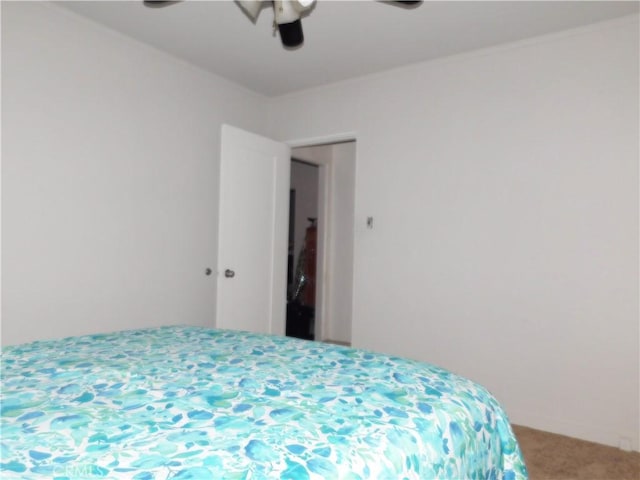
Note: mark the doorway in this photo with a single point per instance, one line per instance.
(302, 255)
(320, 294)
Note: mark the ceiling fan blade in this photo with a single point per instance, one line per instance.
(159, 3)
(251, 7)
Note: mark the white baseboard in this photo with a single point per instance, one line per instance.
(626, 440)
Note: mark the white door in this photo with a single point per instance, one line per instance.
(252, 233)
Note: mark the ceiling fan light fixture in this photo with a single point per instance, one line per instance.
(159, 3)
(291, 33)
(408, 4)
(285, 12)
(287, 18)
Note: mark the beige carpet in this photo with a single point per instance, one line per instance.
(556, 457)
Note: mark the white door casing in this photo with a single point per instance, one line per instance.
(252, 232)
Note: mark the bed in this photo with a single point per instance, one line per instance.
(197, 403)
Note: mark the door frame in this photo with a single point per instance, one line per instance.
(323, 248)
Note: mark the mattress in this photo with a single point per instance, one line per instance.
(186, 402)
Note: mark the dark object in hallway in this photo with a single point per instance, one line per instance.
(304, 289)
(301, 306)
(300, 320)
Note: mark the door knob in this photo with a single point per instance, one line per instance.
(229, 273)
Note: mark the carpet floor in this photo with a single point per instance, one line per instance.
(555, 457)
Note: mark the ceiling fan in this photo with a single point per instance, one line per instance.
(287, 14)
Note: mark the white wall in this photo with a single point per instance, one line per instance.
(504, 188)
(110, 160)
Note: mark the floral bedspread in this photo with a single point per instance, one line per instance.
(197, 403)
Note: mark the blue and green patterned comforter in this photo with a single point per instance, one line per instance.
(187, 402)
